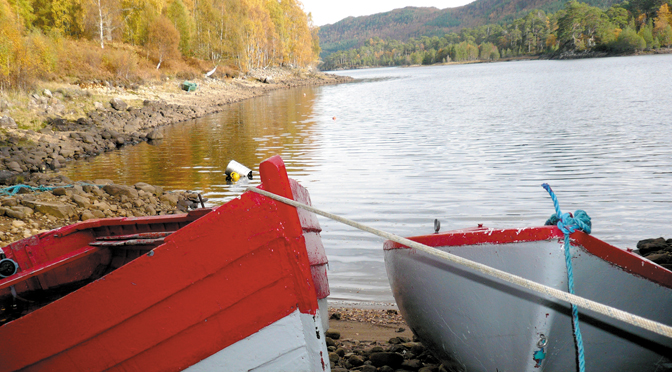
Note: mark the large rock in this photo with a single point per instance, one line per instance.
(145, 187)
(54, 209)
(651, 245)
(393, 360)
(82, 201)
(121, 190)
(155, 135)
(118, 104)
(87, 215)
(7, 177)
(19, 215)
(14, 166)
(8, 122)
(171, 199)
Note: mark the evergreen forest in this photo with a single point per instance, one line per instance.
(137, 39)
(577, 29)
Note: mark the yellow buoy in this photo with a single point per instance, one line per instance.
(235, 176)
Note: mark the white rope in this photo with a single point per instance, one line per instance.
(597, 307)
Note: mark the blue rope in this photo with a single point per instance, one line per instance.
(568, 224)
(12, 190)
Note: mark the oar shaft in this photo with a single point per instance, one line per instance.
(609, 311)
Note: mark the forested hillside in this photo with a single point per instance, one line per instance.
(47, 38)
(403, 24)
(578, 28)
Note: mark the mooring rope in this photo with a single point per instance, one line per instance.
(12, 190)
(568, 224)
(584, 303)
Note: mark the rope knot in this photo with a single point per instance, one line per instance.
(566, 222)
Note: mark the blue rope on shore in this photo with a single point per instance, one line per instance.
(12, 190)
(568, 224)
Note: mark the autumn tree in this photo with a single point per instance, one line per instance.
(24, 14)
(138, 15)
(65, 17)
(163, 40)
(178, 13)
(103, 19)
(10, 44)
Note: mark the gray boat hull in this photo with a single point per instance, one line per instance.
(477, 323)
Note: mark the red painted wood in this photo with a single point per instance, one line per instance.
(221, 278)
(630, 262)
(202, 302)
(38, 269)
(274, 179)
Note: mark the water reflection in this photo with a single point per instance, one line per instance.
(194, 155)
(466, 144)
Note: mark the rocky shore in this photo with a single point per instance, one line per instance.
(375, 340)
(33, 207)
(120, 116)
(657, 250)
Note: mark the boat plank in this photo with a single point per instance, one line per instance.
(141, 283)
(39, 269)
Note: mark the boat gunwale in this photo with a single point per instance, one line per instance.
(626, 260)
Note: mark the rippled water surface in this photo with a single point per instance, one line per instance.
(466, 144)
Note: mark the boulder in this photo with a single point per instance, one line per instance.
(87, 215)
(14, 166)
(81, 201)
(18, 224)
(54, 209)
(393, 360)
(355, 361)
(652, 245)
(170, 199)
(101, 206)
(333, 334)
(121, 190)
(19, 215)
(154, 135)
(145, 187)
(59, 191)
(8, 122)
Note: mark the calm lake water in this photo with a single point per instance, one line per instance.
(466, 144)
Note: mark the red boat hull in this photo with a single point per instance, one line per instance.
(212, 283)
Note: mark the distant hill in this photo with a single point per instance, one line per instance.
(405, 23)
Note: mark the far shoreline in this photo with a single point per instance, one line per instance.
(572, 56)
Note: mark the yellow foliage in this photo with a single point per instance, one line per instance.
(617, 31)
(551, 40)
(663, 19)
(163, 40)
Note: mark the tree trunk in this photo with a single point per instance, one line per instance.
(100, 22)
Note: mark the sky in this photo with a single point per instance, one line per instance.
(326, 12)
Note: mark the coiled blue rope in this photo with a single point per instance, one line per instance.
(568, 224)
(12, 190)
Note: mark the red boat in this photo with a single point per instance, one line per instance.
(239, 287)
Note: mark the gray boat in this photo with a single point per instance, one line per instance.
(474, 322)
